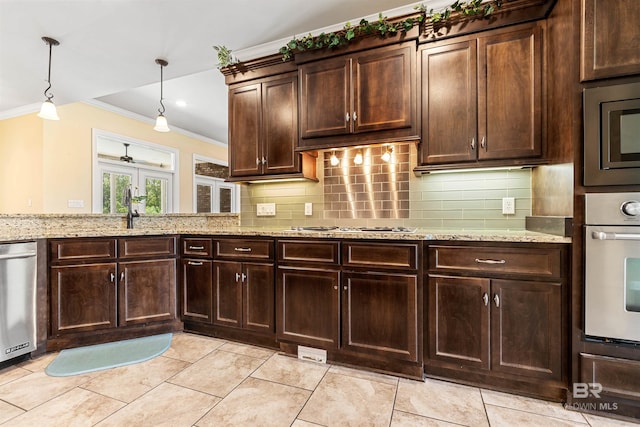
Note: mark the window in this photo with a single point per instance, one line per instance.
(211, 193)
(120, 162)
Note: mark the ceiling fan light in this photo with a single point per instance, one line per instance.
(161, 124)
(48, 111)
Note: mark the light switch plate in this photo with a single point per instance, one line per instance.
(75, 203)
(508, 205)
(308, 209)
(266, 209)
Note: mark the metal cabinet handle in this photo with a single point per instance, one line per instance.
(237, 277)
(347, 117)
(490, 261)
(242, 249)
(355, 116)
(473, 143)
(483, 144)
(196, 248)
(122, 276)
(244, 277)
(485, 299)
(496, 299)
(345, 288)
(257, 161)
(112, 277)
(335, 287)
(194, 263)
(264, 161)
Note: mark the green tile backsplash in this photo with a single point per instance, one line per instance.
(456, 200)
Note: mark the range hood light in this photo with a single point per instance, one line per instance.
(358, 158)
(387, 155)
(334, 159)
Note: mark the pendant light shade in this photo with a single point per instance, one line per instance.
(161, 120)
(387, 154)
(334, 159)
(48, 109)
(358, 158)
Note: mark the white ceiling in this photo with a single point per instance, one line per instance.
(108, 49)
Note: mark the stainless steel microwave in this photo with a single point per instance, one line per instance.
(612, 135)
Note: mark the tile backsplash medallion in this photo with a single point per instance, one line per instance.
(392, 195)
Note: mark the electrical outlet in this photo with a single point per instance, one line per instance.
(508, 205)
(308, 209)
(266, 209)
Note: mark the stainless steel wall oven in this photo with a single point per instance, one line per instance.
(612, 266)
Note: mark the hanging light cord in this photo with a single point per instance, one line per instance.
(51, 42)
(161, 111)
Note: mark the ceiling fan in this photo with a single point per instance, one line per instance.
(126, 158)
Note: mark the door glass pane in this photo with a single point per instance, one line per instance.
(113, 188)
(632, 284)
(225, 199)
(203, 202)
(156, 192)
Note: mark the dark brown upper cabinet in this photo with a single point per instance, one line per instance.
(263, 130)
(482, 99)
(364, 96)
(610, 37)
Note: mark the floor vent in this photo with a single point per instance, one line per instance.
(312, 354)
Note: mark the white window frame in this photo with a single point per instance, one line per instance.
(215, 183)
(101, 165)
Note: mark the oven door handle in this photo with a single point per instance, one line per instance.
(601, 235)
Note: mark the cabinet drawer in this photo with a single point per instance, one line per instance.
(244, 249)
(146, 246)
(82, 249)
(197, 247)
(308, 251)
(484, 259)
(618, 377)
(398, 255)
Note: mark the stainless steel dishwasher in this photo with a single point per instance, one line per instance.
(17, 299)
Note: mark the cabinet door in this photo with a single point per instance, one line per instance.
(380, 314)
(449, 103)
(610, 34)
(459, 321)
(510, 94)
(245, 122)
(147, 291)
(83, 298)
(526, 319)
(197, 290)
(258, 299)
(280, 125)
(227, 282)
(384, 89)
(307, 301)
(325, 98)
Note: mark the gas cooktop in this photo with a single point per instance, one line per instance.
(356, 229)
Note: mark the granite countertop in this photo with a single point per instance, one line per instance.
(12, 234)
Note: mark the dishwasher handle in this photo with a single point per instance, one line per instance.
(16, 255)
(601, 235)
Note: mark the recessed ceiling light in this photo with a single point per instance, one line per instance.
(181, 103)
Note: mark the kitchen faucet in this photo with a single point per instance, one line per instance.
(128, 200)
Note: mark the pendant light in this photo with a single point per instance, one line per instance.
(358, 158)
(48, 109)
(161, 121)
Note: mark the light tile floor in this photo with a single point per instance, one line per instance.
(203, 381)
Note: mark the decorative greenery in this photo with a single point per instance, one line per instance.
(384, 27)
(225, 58)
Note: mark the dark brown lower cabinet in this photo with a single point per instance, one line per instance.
(380, 314)
(83, 297)
(197, 290)
(147, 291)
(244, 295)
(505, 329)
(308, 304)
(105, 289)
